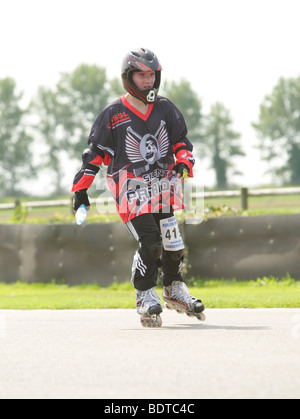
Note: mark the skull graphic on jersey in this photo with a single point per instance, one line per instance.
(149, 149)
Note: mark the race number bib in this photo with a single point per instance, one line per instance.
(171, 237)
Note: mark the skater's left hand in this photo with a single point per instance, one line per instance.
(80, 197)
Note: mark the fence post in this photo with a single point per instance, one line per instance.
(71, 206)
(244, 199)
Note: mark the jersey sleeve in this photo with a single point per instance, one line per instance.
(101, 152)
(182, 147)
(101, 137)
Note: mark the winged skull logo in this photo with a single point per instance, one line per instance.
(149, 148)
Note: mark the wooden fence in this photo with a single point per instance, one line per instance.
(243, 193)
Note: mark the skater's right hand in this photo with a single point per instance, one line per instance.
(180, 171)
(80, 198)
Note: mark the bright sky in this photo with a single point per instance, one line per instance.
(232, 51)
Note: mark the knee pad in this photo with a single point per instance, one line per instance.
(155, 251)
(152, 246)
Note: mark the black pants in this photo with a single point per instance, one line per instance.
(151, 254)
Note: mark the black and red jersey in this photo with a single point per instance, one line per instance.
(139, 151)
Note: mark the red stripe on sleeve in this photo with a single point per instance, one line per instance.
(84, 183)
(177, 146)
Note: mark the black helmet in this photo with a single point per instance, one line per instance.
(141, 59)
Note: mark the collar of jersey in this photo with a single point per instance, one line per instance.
(135, 111)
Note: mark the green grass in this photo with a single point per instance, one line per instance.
(262, 293)
(57, 215)
(56, 296)
(265, 292)
(257, 206)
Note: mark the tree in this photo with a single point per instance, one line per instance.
(65, 115)
(81, 96)
(278, 128)
(49, 133)
(221, 143)
(116, 88)
(187, 101)
(15, 142)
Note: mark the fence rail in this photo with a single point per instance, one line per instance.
(243, 193)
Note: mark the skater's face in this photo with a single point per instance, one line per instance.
(144, 80)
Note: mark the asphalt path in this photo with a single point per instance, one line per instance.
(106, 354)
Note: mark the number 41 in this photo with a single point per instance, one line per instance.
(169, 235)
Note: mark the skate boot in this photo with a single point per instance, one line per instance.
(177, 297)
(149, 308)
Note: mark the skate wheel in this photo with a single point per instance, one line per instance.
(180, 312)
(201, 317)
(158, 321)
(151, 321)
(146, 323)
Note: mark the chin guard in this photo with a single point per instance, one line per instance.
(151, 96)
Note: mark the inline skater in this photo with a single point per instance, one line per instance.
(142, 138)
